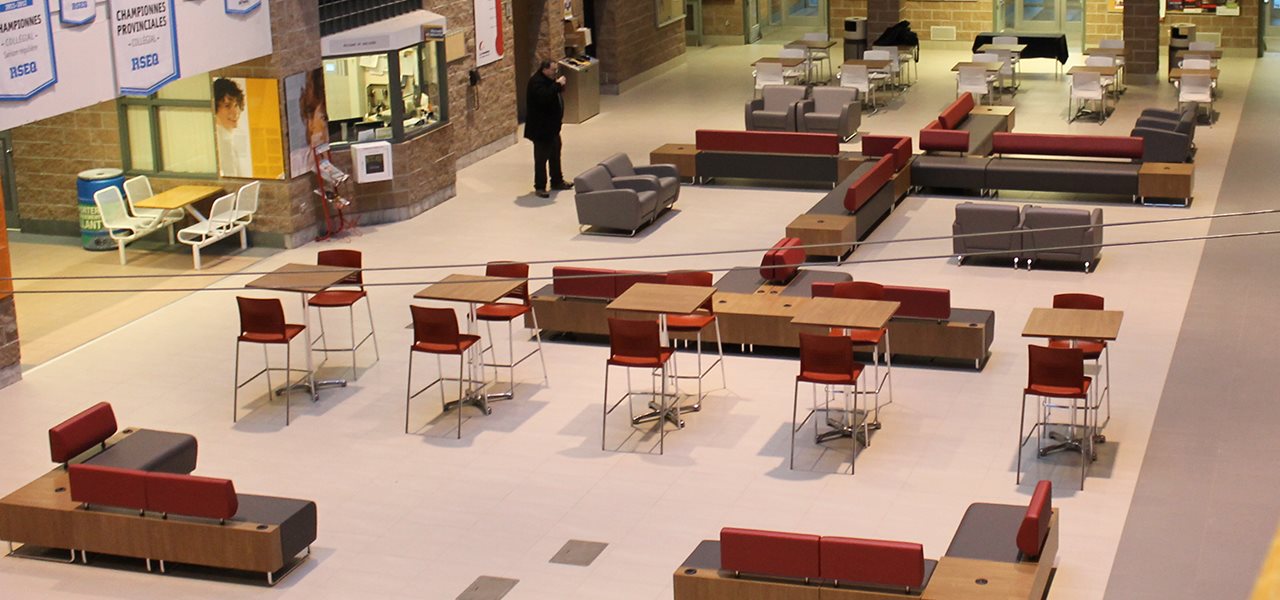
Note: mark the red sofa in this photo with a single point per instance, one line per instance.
(956, 130)
(871, 191)
(1108, 164)
(781, 262)
(588, 282)
(838, 560)
(771, 155)
(143, 449)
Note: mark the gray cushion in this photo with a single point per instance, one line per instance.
(295, 518)
(988, 532)
(594, 179)
(619, 165)
(981, 129)
(1047, 175)
(768, 119)
(150, 450)
(831, 100)
(972, 218)
(945, 171)
(781, 97)
(822, 122)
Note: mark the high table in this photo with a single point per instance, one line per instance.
(662, 299)
(183, 196)
(473, 290)
(304, 279)
(847, 313)
(1076, 324)
(787, 63)
(811, 46)
(1177, 73)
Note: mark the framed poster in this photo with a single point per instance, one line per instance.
(76, 12)
(246, 119)
(28, 66)
(308, 118)
(144, 37)
(489, 42)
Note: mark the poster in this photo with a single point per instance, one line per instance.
(241, 7)
(489, 43)
(26, 35)
(77, 12)
(144, 39)
(308, 118)
(246, 119)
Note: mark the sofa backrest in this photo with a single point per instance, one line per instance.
(830, 100)
(191, 496)
(595, 179)
(780, 263)
(771, 142)
(90, 427)
(937, 139)
(108, 486)
(1035, 525)
(874, 562)
(897, 146)
(625, 279)
(1042, 217)
(780, 98)
(913, 302)
(586, 282)
(1100, 146)
(619, 165)
(955, 114)
(866, 186)
(771, 553)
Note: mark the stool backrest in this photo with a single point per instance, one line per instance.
(698, 278)
(351, 259)
(826, 354)
(633, 338)
(1079, 301)
(511, 270)
(261, 315)
(1056, 367)
(434, 325)
(858, 290)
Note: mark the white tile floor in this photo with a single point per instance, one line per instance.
(421, 516)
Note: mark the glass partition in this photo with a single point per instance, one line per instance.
(385, 96)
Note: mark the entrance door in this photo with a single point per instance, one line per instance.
(693, 22)
(751, 18)
(1271, 25)
(1042, 16)
(6, 173)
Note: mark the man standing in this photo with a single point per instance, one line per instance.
(542, 126)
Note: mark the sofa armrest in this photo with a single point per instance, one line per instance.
(749, 112)
(637, 183)
(850, 118)
(1094, 235)
(1163, 145)
(616, 209)
(658, 170)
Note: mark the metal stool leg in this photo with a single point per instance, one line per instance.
(235, 387)
(408, 393)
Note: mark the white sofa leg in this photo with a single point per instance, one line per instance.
(195, 256)
(120, 248)
(244, 240)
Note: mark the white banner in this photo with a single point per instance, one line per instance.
(144, 37)
(489, 42)
(242, 7)
(26, 37)
(76, 12)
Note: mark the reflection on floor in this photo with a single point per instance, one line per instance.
(53, 324)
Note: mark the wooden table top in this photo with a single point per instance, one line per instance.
(730, 303)
(812, 44)
(307, 279)
(469, 288)
(957, 579)
(1104, 51)
(1112, 70)
(989, 66)
(1178, 72)
(1156, 168)
(823, 222)
(870, 64)
(1073, 323)
(785, 62)
(1002, 47)
(180, 196)
(662, 298)
(845, 312)
(1214, 54)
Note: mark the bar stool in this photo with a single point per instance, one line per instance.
(636, 345)
(262, 322)
(828, 361)
(435, 331)
(696, 323)
(1057, 373)
(866, 290)
(1093, 350)
(509, 312)
(341, 298)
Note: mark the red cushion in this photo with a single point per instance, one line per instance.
(290, 332)
(772, 142)
(464, 341)
(920, 302)
(336, 298)
(1035, 525)
(944, 140)
(626, 279)
(770, 553)
(1101, 146)
(779, 263)
(957, 112)
(880, 145)
(876, 562)
(500, 311)
(933, 126)
(90, 427)
(866, 186)
(902, 153)
(191, 496)
(688, 322)
(579, 281)
(108, 486)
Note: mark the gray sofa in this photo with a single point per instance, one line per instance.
(1039, 245)
(1168, 135)
(1002, 221)
(777, 107)
(666, 177)
(832, 110)
(625, 204)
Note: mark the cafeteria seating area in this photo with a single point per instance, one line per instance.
(464, 494)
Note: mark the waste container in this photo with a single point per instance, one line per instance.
(581, 88)
(855, 37)
(92, 234)
(1180, 37)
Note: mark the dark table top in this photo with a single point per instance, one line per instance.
(1039, 45)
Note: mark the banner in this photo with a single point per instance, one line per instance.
(242, 7)
(144, 37)
(76, 12)
(26, 36)
(489, 43)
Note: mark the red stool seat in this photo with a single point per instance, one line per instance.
(688, 322)
(1058, 391)
(464, 341)
(1092, 350)
(831, 378)
(503, 311)
(336, 298)
(290, 331)
(641, 361)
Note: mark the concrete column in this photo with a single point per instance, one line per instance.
(1142, 40)
(881, 15)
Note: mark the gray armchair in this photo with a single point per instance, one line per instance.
(667, 177)
(777, 108)
(1003, 221)
(1172, 135)
(626, 204)
(833, 110)
(1036, 243)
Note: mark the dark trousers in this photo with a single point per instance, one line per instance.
(546, 153)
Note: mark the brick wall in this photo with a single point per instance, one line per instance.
(1141, 37)
(629, 42)
(1100, 23)
(969, 18)
(881, 15)
(1237, 32)
(842, 9)
(723, 18)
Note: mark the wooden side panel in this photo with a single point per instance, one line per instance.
(925, 337)
(705, 584)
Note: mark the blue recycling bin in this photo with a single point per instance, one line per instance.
(92, 234)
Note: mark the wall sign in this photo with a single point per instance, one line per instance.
(27, 66)
(76, 12)
(242, 7)
(489, 42)
(144, 37)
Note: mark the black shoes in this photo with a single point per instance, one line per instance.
(563, 185)
(542, 193)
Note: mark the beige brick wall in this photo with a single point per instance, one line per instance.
(969, 18)
(722, 17)
(630, 42)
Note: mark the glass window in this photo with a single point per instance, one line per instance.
(171, 131)
(385, 96)
(138, 126)
(186, 139)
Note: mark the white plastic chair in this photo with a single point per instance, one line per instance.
(856, 77)
(1202, 46)
(880, 76)
(120, 225)
(895, 62)
(1086, 87)
(973, 80)
(1009, 59)
(1007, 40)
(219, 225)
(799, 73)
(988, 57)
(137, 189)
(1198, 89)
(1103, 61)
(246, 203)
(819, 55)
(768, 73)
(1119, 58)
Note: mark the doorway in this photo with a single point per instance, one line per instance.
(693, 22)
(781, 21)
(1271, 25)
(1042, 16)
(6, 178)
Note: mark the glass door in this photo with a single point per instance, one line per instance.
(1042, 16)
(751, 17)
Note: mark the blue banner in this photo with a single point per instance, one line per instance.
(144, 35)
(27, 66)
(77, 12)
(241, 7)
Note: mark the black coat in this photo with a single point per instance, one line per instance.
(545, 108)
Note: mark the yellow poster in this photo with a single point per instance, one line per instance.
(247, 122)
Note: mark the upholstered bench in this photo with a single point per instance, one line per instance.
(950, 172)
(575, 300)
(142, 449)
(768, 155)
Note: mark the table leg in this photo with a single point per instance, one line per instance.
(656, 405)
(475, 369)
(191, 210)
(311, 385)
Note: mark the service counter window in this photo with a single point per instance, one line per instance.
(389, 96)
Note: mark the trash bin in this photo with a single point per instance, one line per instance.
(1180, 37)
(92, 234)
(855, 37)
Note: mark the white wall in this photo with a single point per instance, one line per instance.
(208, 39)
